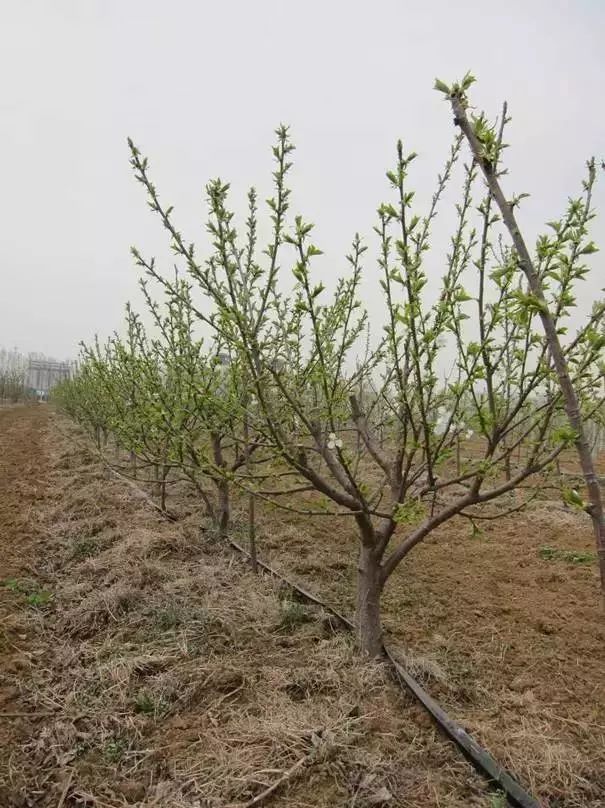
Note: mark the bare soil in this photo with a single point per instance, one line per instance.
(141, 663)
(23, 467)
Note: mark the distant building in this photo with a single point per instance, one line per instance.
(43, 375)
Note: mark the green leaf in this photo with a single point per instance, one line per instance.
(468, 80)
(409, 512)
(564, 434)
(573, 498)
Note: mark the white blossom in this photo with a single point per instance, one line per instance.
(333, 441)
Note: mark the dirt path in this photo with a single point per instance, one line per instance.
(23, 471)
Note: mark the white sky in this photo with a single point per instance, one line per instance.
(200, 86)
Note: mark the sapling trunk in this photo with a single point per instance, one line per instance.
(165, 472)
(369, 589)
(223, 508)
(251, 501)
(570, 397)
(252, 533)
(507, 467)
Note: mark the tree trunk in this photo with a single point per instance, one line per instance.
(252, 533)
(223, 508)
(222, 487)
(251, 503)
(369, 588)
(165, 472)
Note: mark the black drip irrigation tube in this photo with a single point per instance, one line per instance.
(480, 758)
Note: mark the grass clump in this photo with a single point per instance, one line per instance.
(114, 749)
(84, 548)
(292, 616)
(146, 704)
(570, 556)
(168, 618)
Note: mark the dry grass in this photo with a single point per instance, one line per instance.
(510, 641)
(166, 674)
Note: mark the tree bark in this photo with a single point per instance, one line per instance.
(156, 485)
(369, 589)
(252, 533)
(223, 508)
(570, 398)
(251, 502)
(165, 472)
(222, 487)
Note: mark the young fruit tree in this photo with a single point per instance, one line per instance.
(452, 401)
(172, 402)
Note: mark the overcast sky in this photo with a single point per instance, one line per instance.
(201, 85)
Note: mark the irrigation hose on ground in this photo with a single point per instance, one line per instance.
(479, 757)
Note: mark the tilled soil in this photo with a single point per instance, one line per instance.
(23, 473)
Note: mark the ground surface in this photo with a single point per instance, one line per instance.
(506, 628)
(142, 664)
(23, 467)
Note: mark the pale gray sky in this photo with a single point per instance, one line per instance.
(201, 85)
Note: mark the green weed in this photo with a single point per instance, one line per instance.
(114, 749)
(40, 599)
(146, 704)
(35, 597)
(14, 585)
(570, 556)
(292, 616)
